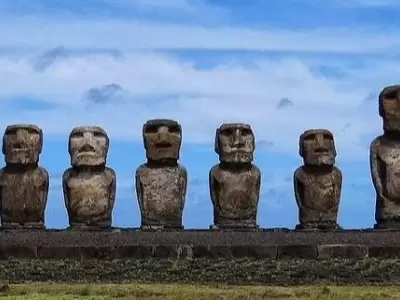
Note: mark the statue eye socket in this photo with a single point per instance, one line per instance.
(32, 131)
(328, 137)
(246, 131)
(152, 129)
(391, 95)
(309, 138)
(226, 132)
(11, 131)
(77, 135)
(98, 134)
(174, 129)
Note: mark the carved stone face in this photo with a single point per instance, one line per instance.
(88, 146)
(317, 147)
(162, 139)
(22, 144)
(389, 107)
(235, 143)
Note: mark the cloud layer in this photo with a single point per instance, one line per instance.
(280, 97)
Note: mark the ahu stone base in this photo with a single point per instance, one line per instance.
(276, 256)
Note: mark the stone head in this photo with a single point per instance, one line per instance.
(317, 147)
(88, 146)
(389, 108)
(162, 139)
(235, 143)
(22, 144)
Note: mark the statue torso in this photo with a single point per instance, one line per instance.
(89, 193)
(237, 192)
(162, 190)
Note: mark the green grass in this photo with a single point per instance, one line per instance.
(195, 292)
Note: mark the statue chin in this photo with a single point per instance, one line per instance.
(21, 157)
(88, 160)
(238, 157)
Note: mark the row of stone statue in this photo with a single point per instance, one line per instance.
(89, 186)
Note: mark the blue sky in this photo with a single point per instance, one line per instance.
(282, 66)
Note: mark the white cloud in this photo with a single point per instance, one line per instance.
(44, 33)
(156, 85)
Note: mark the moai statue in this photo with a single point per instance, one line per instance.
(89, 186)
(161, 182)
(385, 161)
(235, 182)
(24, 185)
(318, 183)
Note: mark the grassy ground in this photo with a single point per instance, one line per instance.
(205, 271)
(195, 292)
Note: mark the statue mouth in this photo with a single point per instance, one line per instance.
(91, 153)
(17, 149)
(238, 150)
(321, 151)
(163, 145)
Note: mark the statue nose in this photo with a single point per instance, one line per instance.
(237, 139)
(237, 142)
(163, 135)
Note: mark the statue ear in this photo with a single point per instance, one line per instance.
(216, 142)
(380, 105)
(334, 148)
(301, 153)
(144, 136)
(40, 140)
(4, 145)
(107, 142)
(254, 138)
(69, 144)
(180, 132)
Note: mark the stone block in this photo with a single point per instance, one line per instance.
(219, 252)
(136, 251)
(254, 251)
(165, 251)
(200, 251)
(297, 251)
(59, 252)
(384, 251)
(97, 252)
(17, 251)
(342, 251)
(185, 251)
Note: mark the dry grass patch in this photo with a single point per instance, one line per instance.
(195, 292)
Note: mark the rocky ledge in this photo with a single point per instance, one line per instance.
(192, 244)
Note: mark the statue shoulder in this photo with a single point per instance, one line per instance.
(214, 170)
(255, 170)
(68, 173)
(337, 171)
(298, 174)
(182, 170)
(375, 144)
(140, 170)
(110, 173)
(42, 175)
(42, 171)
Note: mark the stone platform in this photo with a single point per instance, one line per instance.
(275, 244)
